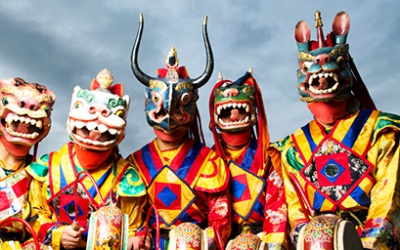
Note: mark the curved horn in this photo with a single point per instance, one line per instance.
(140, 75)
(201, 80)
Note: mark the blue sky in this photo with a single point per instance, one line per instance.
(62, 44)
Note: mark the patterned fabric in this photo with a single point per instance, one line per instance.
(188, 184)
(239, 126)
(352, 167)
(247, 188)
(54, 181)
(13, 197)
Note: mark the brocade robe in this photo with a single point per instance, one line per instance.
(257, 196)
(53, 188)
(353, 168)
(187, 184)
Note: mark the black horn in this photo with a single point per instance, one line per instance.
(139, 74)
(201, 80)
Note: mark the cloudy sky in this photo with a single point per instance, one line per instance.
(62, 44)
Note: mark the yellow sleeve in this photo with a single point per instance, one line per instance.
(295, 214)
(383, 214)
(45, 218)
(134, 208)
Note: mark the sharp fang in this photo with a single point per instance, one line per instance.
(39, 124)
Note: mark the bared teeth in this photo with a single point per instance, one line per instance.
(39, 124)
(323, 91)
(23, 119)
(93, 126)
(16, 118)
(230, 123)
(96, 143)
(31, 136)
(78, 124)
(233, 105)
(102, 128)
(114, 131)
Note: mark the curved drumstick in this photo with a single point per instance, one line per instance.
(304, 202)
(142, 242)
(28, 226)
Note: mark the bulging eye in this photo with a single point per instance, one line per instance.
(305, 66)
(247, 89)
(340, 61)
(46, 109)
(4, 101)
(156, 97)
(185, 98)
(120, 113)
(78, 105)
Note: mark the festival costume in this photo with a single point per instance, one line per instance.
(346, 161)
(26, 109)
(186, 180)
(88, 175)
(185, 184)
(54, 179)
(239, 126)
(353, 168)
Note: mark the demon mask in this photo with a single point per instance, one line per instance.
(237, 114)
(324, 72)
(234, 104)
(97, 117)
(171, 96)
(25, 111)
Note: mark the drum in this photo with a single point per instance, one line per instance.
(246, 242)
(108, 229)
(329, 231)
(187, 236)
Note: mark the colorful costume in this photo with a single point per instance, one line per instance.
(185, 180)
(96, 125)
(25, 113)
(240, 130)
(346, 161)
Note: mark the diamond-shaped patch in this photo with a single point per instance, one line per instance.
(333, 169)
(240, 188)
(246, 189)
(171, 195)
(70, 209)
(167, 196)
(67, 209)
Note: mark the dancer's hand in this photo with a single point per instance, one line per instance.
(134, 243)
(71, 239)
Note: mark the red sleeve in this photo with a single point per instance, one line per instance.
(275, 210)
(220, 216)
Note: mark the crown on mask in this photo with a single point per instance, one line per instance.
(340, 28)
(104, 81)
(173, 72)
